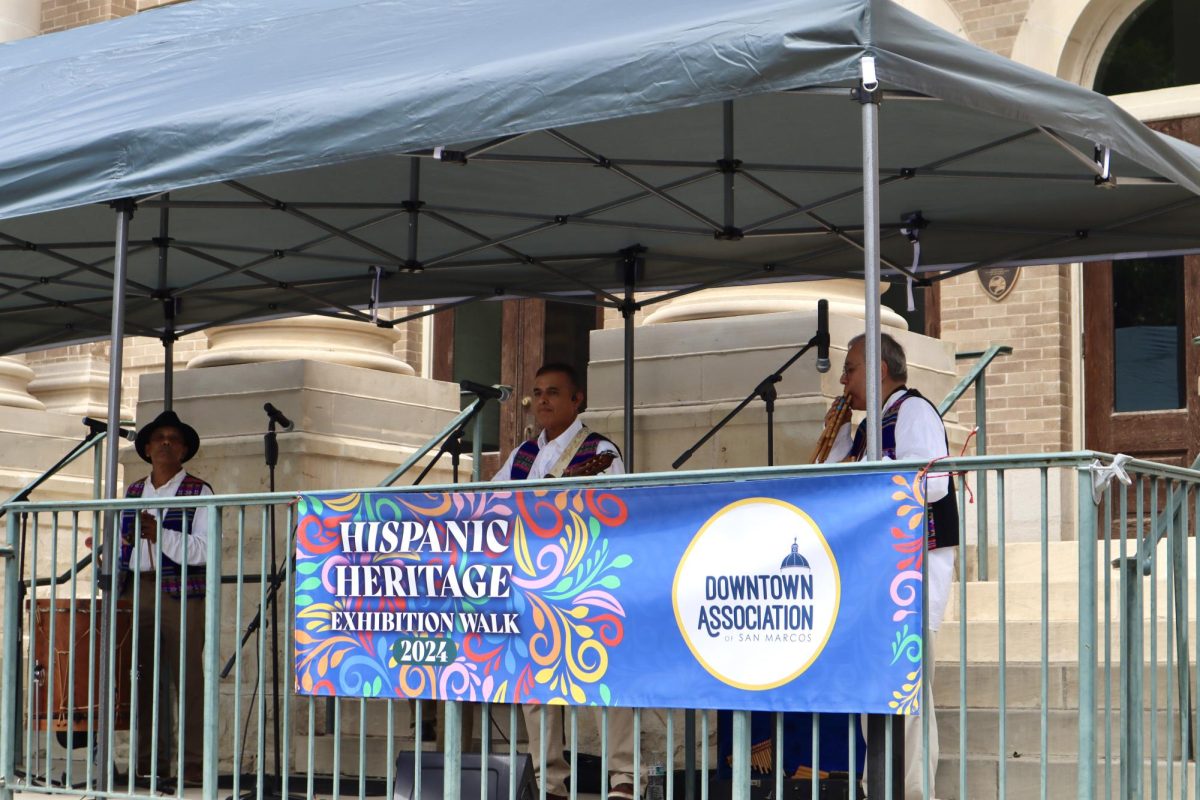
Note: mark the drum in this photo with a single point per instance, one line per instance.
(55, 706)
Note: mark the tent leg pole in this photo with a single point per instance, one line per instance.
(168, 370)
(124, 211)
(882, 777)
(168, 337)
(628, 309)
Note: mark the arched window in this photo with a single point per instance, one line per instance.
(1154, 49)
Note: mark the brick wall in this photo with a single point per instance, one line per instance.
(58, 15)
(1029, 392)
(992, 23)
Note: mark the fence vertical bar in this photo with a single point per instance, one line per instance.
(11, 660)
(212, 655)
(741, 755)
(289, 664)
(1184, 661)
(1087, 636)
(452, 787)
(1108, 520)
(1044, 735)
(1170, 710)
(72, 607)
(1002, 653)
(52, 637)
(962, 644)
(1153, 625)
(237, 653)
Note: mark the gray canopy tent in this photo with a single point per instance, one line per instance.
(265, 159)
(321, 155)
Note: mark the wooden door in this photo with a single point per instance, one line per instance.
(1140, 366)
(506, 343)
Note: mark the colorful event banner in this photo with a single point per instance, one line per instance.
(799, 594)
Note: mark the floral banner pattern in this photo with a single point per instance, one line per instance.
(768, 595)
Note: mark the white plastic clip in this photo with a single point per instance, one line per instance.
(437, 153)
(869, 80)
(375, 282)
(1102, 475)
(1105, 163)
(914, 236)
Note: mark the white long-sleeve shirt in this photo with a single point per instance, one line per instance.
(920, 436)
(173, 542)
(549, 452)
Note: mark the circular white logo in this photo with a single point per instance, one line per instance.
(756, 593)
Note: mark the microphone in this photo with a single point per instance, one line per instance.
(276, 416)
(822, 336)
(98, 426)
(500, 393)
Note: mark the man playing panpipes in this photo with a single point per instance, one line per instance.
(912, 430)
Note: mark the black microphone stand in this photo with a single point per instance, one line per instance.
(272, 783)
(452, 444)
(766, 390)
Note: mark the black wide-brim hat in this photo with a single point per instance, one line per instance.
(167, 419)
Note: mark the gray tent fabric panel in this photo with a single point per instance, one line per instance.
(918, 56)
(722, 144)
(207, 91)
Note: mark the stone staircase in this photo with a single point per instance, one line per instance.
(1022, 679)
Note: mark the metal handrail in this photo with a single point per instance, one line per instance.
(976, 373)
(976, 377)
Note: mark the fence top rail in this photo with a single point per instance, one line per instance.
(1067, 460)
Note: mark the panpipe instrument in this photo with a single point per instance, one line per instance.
(838, 415)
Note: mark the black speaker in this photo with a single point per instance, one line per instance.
(494, 776)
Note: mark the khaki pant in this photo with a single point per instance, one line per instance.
(172, 639)
(556, 770)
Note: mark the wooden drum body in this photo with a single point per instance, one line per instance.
(67, 710)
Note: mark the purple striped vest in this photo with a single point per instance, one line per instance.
(174, 519)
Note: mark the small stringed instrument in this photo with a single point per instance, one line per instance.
(593, 466)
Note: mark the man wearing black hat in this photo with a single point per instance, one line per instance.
(156, 545)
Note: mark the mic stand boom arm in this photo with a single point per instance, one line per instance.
(455, 424)
(766, 390)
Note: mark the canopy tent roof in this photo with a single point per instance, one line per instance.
(487, 148)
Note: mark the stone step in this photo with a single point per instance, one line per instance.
(1023, 731)
(1025, 559)
(1023, 600)
(1023, 640)
(1023, 778)
(1023, 685)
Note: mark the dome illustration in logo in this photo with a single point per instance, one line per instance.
(794, 560)
(749, 619)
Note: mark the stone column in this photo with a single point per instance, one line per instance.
(20, 18)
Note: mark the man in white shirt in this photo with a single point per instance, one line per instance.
(566, 448)
(912, 431)
(156, 545)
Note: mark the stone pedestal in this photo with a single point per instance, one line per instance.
(77, 386)
(14, 385)
(353, 426)
(335, 341)
(688, 375)
(32, 441)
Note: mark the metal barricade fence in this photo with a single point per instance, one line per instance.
(1067, 671)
